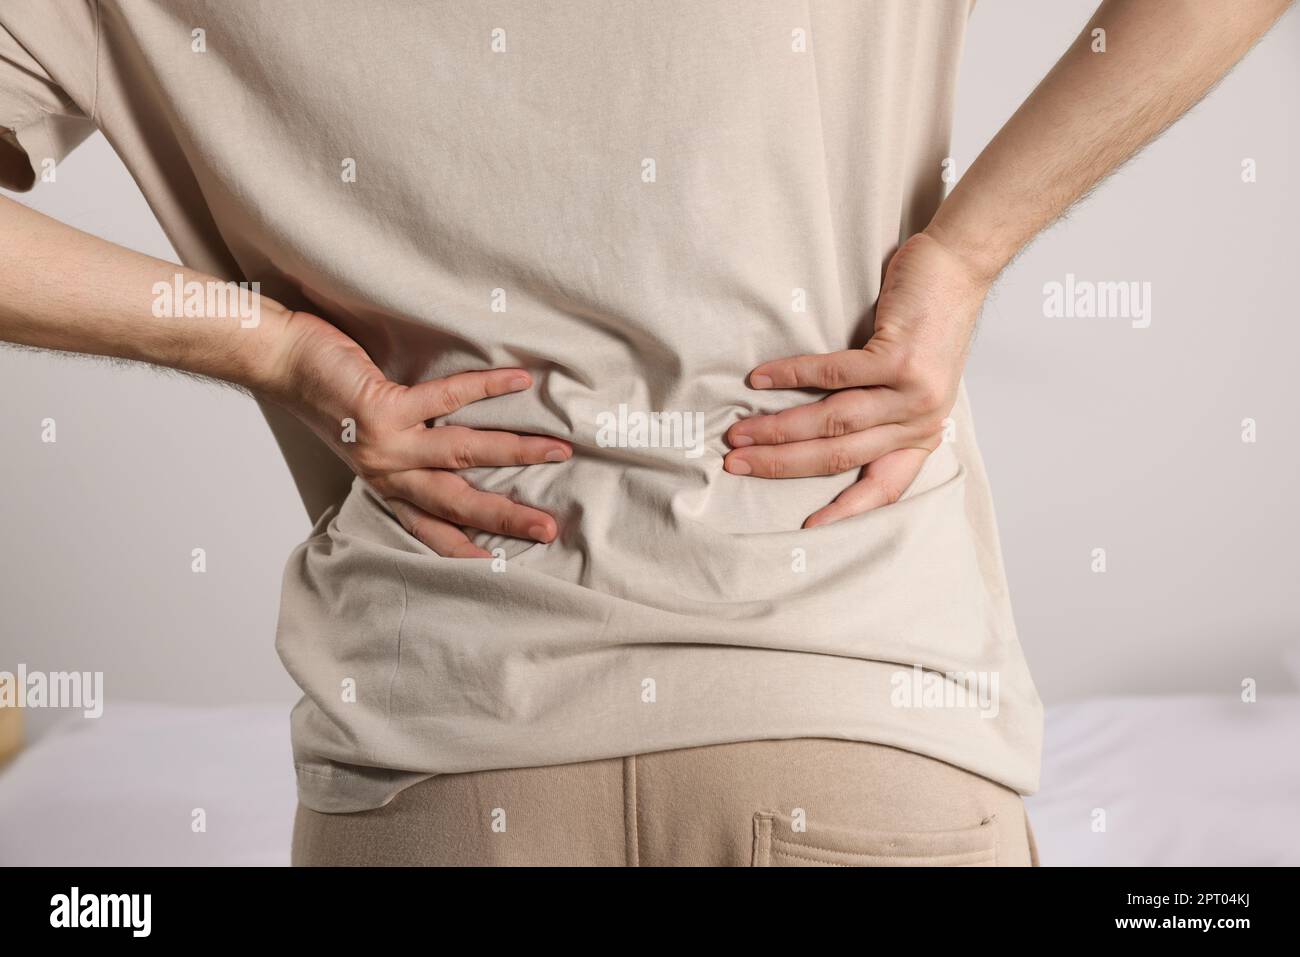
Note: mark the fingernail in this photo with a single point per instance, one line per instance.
(539, 532)
(557, 455)
(519, 382)
(740, 441)
(761, 381)
(738, 467)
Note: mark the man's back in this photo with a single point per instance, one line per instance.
(639, 203)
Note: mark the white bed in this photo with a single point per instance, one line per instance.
(1193, 780)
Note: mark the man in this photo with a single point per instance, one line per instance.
(568, 289)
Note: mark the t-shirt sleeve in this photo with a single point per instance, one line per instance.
(40, 121)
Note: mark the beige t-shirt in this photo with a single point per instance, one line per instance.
(639, 202)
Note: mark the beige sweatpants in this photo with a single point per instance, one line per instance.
(808, 802)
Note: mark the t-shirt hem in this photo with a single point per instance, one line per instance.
(337, 788)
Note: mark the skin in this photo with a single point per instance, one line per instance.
(65, 290)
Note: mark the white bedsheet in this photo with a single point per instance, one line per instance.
(1189, 780)
(122, 789)
(1182, 780)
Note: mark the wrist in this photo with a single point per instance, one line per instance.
(303, 365)
(981, 264)
(266, 350)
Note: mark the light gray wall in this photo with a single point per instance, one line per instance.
(98, 527)
(1096, 434)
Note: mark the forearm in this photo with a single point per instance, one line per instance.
(64, 289)
(1091, 113)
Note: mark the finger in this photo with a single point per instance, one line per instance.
(450, 497)
(438, 397)
(834, 370)
(443, 537)
(883, 482)
(841, 413)
(456, 447)
(818, 456)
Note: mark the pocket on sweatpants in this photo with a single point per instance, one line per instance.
(779, 843)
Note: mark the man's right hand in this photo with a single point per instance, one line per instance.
(324, 377)
(294, 359)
